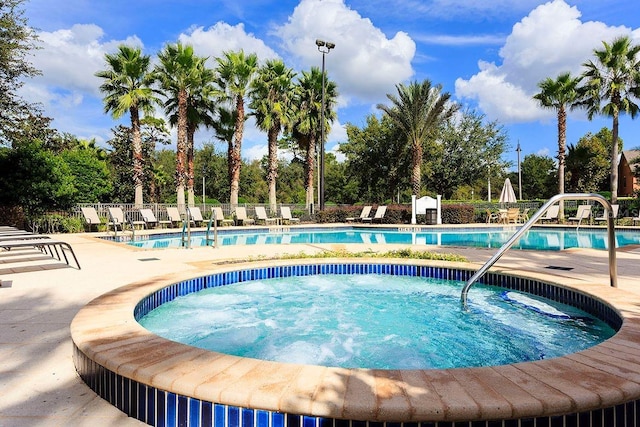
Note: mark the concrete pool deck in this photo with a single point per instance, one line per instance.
(39, 297)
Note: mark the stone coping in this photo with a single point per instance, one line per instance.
(603, 376)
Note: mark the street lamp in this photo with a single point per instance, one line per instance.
(519, 172)
(324, 47)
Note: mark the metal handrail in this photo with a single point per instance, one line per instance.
(213, 220)
(613, 273)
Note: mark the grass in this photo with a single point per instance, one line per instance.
(402, 253)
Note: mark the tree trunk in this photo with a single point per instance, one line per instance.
(272, 173)
(309, 169)
(138, 169)
(181, 148)
(614, 160)
(236, 153)
(191, 130)
(416, 162)
(562, 138)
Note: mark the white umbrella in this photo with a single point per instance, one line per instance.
(507, 195)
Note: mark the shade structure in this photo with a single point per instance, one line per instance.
(507, 195)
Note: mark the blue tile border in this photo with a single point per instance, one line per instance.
(164, 408)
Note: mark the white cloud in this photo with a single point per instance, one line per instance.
(222, 37)
(365, 63)
(550, 40)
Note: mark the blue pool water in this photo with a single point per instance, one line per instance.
(536, 239)
(374, 321)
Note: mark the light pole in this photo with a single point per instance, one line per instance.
(518, 150)
(203, 192)
(324, 47)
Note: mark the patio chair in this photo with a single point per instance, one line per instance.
(241, 216)
(492, 216)
(174, 216)
(523, 215)
(512, 215)
(91, 217)
(551, 214)
(219, 216)
(150, 220)
(614, 214)
(378, 216)
(366, 210)
(261, 215)
(285, 213)
(584, 212)
(195, 215)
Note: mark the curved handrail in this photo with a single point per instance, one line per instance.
(613, 273)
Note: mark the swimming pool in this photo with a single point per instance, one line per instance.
(538, 238)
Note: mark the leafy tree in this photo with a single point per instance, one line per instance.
(35, 179)
(306, 124)
(234, 74)
(560, 94)
(90, 173)
(466, 145)
(375, 160)
(291, 179)
(538, 176)
(271, 97)
(252, 183)
(613, 79)
(588, 163)
(214, 165)
(418, 110)
(127, 88)
(17, 40)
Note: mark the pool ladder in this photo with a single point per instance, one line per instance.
(185, 236)
(613, 273)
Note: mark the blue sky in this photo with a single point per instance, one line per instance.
(489, 54)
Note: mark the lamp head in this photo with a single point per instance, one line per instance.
(330, 45)
(319, 43)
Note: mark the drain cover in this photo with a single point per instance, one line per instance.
(148, 259)
(557, 267)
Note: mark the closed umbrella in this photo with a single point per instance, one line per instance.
(507, 195)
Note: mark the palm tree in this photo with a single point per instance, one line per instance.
(419, 110)
(176, 76)
(234, 74)
(271, 96)
(560, 94)
(614, 79)
(200, 108)
(127, 87)
(306, 123)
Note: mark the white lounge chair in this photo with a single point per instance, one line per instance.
(44, 245)
(219, 216)
(366, 210)
(285, 213)
(261, 215)
(614, 214)
(378, 216)
(174, 215)
(150, 220)
(584, 212)
(91, 217)
(241, 216)
(551, 214)
(195, 215)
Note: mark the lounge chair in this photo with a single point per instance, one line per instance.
(91, 217)
(285, 213)
(44, 245)
(174, 216)
(195, 215)
(241, 216)
(219, 216)
(116, 218)
(584, 212)
(261, 215)
(366, 210)
(614, 214)
(150, 220)
(523, 215)
(551, 214)
(378, 216)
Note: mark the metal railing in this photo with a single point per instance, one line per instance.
(613, 273)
